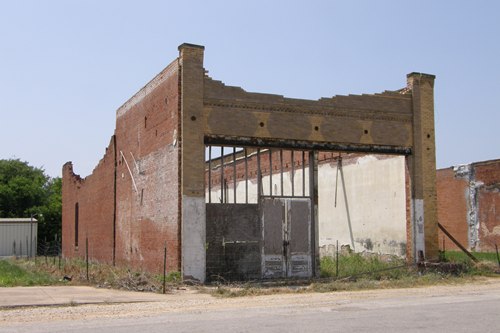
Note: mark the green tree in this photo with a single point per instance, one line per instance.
(21, 188)
(26, 190)
(50, 222)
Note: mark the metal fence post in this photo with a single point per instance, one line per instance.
(498, 256)
(164, 266)
(87, 255)
(337, 260)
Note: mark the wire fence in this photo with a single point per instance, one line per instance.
(49, 248)
(87, 268)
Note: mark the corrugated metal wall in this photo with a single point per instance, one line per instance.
(15, 238)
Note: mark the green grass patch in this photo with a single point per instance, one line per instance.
(356, 264)
(487, 264)
(407, 281)
(172, 277)
(459, 256)
(12, 274)
(51, 271)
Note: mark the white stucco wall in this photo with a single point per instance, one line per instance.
(370, 214)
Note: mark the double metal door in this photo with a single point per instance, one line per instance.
(286, 235)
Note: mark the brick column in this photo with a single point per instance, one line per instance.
(193, 225)
(423, 167)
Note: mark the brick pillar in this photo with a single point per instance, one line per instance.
(193, 225)
(423, 167)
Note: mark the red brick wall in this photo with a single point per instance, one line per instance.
(489, 217)
(253, 165)
(453, 196)
(94, 196)
(489, 204)
(147, 212)
(487, 172)
(452, 208)
(323, 157)
(147, 217)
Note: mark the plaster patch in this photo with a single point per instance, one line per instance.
(418, 225)
(193, 237)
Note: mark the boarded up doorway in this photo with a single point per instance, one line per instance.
(271, 239)
(286, 248)
(233, 242)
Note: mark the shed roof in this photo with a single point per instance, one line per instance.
(17, 220)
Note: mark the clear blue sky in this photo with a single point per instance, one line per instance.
(66, 66)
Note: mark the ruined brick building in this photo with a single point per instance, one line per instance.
(154, 188)
(469, 205)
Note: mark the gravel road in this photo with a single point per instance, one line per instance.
(186, 303)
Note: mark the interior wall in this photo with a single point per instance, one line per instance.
(369, 213)
(370, 210)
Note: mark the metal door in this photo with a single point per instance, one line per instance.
(233, 242)
(286, 237)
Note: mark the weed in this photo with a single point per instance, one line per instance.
(172, 277)
(459, 256)
(355, 264)
(25, 272)
(356, 271)
(12, 274)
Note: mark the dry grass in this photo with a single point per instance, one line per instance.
(362, 272)
(356, 272)
(332, 285)
(74, 272)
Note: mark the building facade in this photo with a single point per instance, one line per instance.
(149, 191)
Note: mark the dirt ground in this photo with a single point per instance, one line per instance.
(190, 301)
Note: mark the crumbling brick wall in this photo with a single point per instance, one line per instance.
(94, 197)
(468, 201)
(488, 173)
(141, 188)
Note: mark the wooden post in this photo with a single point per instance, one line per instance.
(470, 255)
